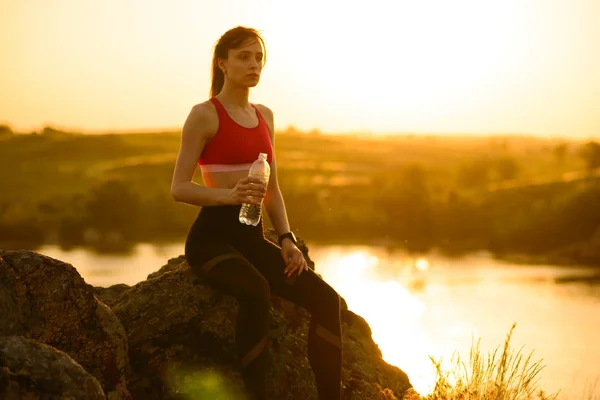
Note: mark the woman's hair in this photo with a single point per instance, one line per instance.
(232, 39)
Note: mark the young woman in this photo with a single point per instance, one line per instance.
(224, 135)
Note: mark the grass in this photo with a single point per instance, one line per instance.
(592, 390)
(503, 374)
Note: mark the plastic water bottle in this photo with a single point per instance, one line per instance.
(250, 213)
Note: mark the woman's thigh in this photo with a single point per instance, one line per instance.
(221, 265)
(308, 289)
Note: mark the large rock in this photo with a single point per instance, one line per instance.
(47, 300)
(33, 370)
(181, 334)
(174, 336)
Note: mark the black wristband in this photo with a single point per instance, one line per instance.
(287, 235)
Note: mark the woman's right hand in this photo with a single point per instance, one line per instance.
(248, 190)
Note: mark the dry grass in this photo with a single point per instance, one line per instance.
(504, 374)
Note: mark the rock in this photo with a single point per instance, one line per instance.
(47, 300)
(368, 375)
(174, 322)
(171, 263)
(172, 335)
(181, 330)
(110, 294)
(33, 370)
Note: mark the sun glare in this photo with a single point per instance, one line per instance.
(391, 311)
(406, 58)
(422, 264)
(429, 66)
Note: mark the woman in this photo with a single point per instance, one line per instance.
(224, 135)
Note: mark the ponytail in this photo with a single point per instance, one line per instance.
(218, 78)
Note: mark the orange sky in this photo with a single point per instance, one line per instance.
(462, 66)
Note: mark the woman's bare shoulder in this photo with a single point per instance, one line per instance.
(267, 115)
(205, 110)
(203, 118)
(264, 110)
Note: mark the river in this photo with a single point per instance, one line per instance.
(435, 306)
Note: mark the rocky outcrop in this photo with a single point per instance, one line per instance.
(47, 300)
(33, 370)
(179, 334)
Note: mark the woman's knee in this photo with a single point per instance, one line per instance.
(252, 288)
(326, 322)
(332, 298)
(328, 299)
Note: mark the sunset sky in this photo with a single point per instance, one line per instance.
(461, 66)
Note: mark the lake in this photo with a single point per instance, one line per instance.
(434, 306)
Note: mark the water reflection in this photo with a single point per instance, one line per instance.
(437, 306)
(391, 311)
(107, 269)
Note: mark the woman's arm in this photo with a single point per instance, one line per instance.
(275, 207)
(199, 126)
(274, 204)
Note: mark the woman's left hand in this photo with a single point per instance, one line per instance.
(293, 257)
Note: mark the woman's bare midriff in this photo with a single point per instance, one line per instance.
(223, 180)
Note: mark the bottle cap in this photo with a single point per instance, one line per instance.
(262, 155)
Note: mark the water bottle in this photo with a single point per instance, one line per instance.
(250, 213)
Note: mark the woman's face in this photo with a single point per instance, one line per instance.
(243, 65)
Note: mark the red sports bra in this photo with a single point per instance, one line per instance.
(235, 147)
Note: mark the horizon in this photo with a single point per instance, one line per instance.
(292, 130)
(469, 68)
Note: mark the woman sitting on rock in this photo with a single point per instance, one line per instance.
(224, 135)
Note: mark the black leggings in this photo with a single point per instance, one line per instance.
(237, 259)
